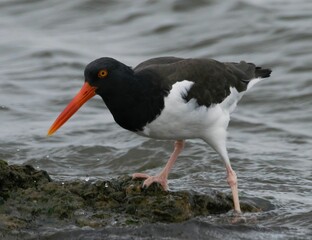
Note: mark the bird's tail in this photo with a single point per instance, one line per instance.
(262, 72)
(249, 71)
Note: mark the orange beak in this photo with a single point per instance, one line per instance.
(85, 93)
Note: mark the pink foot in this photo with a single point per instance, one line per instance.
(151, 179)
(162, 177)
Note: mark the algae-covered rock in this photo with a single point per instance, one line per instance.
(14, 176)
(28, 197)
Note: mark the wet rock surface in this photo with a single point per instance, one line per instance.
(30, 198)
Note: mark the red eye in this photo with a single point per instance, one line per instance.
(102, 73)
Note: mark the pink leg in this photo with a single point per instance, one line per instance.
(163, 175)
(232, 181)
(217, 140)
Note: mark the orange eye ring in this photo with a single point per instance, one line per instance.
(102, 73)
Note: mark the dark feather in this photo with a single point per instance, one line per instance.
(212, 79)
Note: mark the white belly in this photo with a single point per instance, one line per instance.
(183, 120)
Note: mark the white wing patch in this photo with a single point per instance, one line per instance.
(230, 102)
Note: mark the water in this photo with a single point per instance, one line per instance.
(46, 44)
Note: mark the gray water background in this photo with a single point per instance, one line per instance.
(44, 46)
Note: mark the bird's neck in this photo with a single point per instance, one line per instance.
(135, 103)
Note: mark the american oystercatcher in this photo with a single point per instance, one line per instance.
(170, 98)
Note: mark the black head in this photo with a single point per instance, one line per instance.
(104, 76)
(106, 73)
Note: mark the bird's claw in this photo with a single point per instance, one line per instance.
(149, 180)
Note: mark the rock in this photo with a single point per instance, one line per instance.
(14, 176)
(29, 197)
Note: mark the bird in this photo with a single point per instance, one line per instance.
(170, 98)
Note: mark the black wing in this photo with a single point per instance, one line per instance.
(212, 79)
